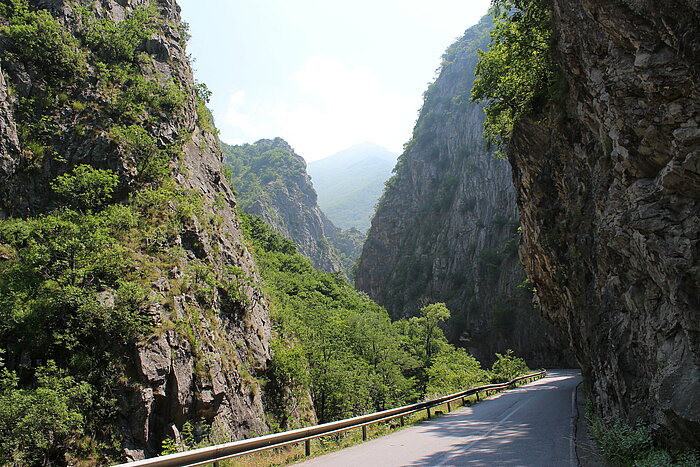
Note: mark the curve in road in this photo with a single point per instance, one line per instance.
(532, 425)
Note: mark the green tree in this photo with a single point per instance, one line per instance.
(508, 367)
(86, 187)
(424, 339)
(454, 370)
(36, 423)
(516, 75)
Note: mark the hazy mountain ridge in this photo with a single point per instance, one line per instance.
(350, 182)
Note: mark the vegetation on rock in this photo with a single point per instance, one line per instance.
(516, 75)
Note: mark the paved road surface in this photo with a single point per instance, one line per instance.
(528, 426)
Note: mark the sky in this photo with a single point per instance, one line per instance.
(322, 74)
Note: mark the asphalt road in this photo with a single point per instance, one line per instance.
(532, 425)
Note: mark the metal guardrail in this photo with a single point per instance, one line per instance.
(212, 454)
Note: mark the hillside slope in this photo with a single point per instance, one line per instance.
(446, 228)
(127, 292)
(350, 182)
(271, 182)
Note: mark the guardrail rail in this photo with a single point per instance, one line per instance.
(219, 452)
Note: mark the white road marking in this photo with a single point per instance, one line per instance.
(497, 425)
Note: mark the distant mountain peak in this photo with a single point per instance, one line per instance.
(350, 182)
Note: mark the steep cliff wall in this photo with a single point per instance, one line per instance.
(108, 84)
(446, 228)
(272, 183)
(609, 193)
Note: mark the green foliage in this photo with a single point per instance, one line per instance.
(331, 341)
(36, 423)
(136, 142)
(626, 446)
(117, 41)
(452, 371)
(85, 187)
(508, 367)
(128, 92)
(73, 288)
(260, 168)
(517, 74)
(132, 98)
(192, 435)
(38, 38)
(205, 119)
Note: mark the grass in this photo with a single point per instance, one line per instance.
(634, 446)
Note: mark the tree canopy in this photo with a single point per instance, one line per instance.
(516, 75)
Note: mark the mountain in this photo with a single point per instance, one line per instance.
(271, 182)
(447, 228)
(350, 182)
(608, 182)
(129, 300)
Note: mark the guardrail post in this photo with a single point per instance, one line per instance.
(402, 421)
(307, 447)
(449, 407)
(364, 432)
(477, 395)
(428, 412)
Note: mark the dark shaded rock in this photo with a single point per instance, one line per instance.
(609, 193)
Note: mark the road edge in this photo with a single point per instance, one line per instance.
(587, 453)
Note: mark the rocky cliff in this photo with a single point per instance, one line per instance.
(108, 84)
(609, 194)
(272, 183)
(446, 228)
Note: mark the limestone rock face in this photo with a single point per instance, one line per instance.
(609, 194)
(446, 228)
(169, 381)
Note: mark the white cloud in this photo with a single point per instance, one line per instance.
(342, 106)
(234, 117)
(332, 107)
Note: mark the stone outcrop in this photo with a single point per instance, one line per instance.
(609, 194)
(174, 376)
(272, 183)
(446, 228)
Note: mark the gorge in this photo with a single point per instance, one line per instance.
(160, 289)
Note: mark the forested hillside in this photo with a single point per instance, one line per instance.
(271, 182)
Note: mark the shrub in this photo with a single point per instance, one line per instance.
(36, 423)
(41, 39)
(508, 367)
(117, 41)
(86, 187)
(454, 370)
